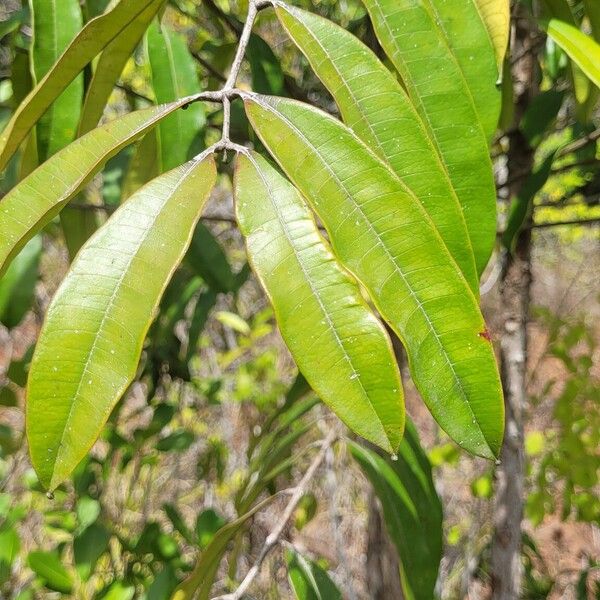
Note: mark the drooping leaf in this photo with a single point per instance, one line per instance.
(55, 24)
(49, 568)
(412, 511)
(581, 48)
(383, 236)
(110, 66)
(199, 582)
(382, 115)
(448, 66)
(89, 346)
(338, 344)
(496, 17)
(32, 204)
(96, 34)
(174, 76)
(308, 580)
(17, 285)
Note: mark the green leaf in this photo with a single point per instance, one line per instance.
(496, 17)
(338, 344)
(90, 344)
(384, 237)
(308, 580)
(198, 584)
(96, 34)
(88, 547)
(49, 568)
(209, 261)
(10, 544)
(174, 76)
(110, 65)
(539, 116)
(267, 76)
(17, 285)
(177, 441)
(450, 77)
(32, 204)
(143, 166)
(522, 204)
(581, 48)
(118, 591)
(382, 115)
(55, 24)
(412, 511)
(207, 524)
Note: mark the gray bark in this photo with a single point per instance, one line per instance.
(506, 569)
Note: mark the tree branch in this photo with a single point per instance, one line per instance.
(273, 537)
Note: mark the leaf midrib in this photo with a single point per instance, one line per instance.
(435, 152)
(379, 242)
(109, 306)
(317, 296)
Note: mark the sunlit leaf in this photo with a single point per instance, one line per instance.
(448, 66)
(49, 568)
(110, 65)
(89, 42)
(338, 344)
(33, 203)
(581, 48)
(91, 341)
(174, 76)
(496, 17)
(383, 236)
(382, 115)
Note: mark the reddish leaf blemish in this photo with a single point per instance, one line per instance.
(485, 334)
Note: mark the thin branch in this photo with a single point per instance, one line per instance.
(590, 221)
(273, 537)
(580, 143)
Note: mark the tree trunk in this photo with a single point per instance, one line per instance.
(506, 569)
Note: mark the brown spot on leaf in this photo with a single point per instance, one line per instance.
(485, 334)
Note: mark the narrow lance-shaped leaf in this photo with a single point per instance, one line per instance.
(17, 285)
(309, 581)
(174, 76)
(90, 344)
(430, 43)
(55, 24)
(382, 115)
(110, 65)
(581, 48)
(32, 204)
(385, 238)
(340, 347)
(96, 34)
(496, 18)
(412, 510)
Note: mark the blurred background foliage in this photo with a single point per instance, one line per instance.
(195, 458)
